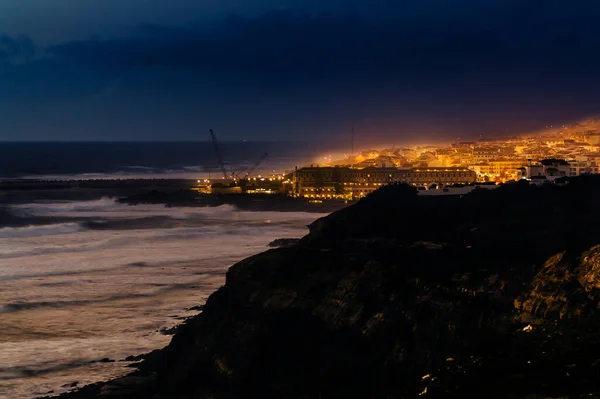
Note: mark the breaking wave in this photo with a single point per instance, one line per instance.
(109, 207)
(195, 168)
(22, 306)
(44, 230)
(107, 213)
(141, 167)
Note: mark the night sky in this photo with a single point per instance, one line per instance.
(398, 70)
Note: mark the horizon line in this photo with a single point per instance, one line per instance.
(147, 141)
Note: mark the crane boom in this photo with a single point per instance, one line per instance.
(257, 164)
(219, 158)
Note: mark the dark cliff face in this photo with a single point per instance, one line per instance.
(491, 295)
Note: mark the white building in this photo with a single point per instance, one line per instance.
(582, 165)
(545, 170)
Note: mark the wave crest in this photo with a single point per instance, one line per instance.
(109, 207)
(43, 230)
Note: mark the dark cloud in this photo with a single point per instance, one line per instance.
(432, 65)
(19, 48)
(292, 46)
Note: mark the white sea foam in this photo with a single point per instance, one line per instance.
(109, 208)
(37, 231)
(195, 168)
(141, 167)
(63, 207)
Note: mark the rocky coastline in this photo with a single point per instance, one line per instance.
(494, 294)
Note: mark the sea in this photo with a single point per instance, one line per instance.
(86, 283)
(177, 160)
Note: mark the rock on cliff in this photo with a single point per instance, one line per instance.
(492, 295)
(564, 288)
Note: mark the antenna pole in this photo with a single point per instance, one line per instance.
(352, 153)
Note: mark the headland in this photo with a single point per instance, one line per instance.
(493, 294)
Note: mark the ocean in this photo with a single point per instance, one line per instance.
(86, 283)
(87, 160)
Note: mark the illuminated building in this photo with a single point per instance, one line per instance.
(498, 168)
(582, 165)
(549, 169)
(483, 154)
(426, 176)
(347, 183)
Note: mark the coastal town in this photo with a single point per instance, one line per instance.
(549, 156)
(570, 150)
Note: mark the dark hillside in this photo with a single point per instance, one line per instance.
(492, 295)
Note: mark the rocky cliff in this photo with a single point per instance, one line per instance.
(492, 295)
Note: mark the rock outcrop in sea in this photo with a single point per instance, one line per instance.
(491, 295)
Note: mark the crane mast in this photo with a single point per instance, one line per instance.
(257, 164)
(219, 158)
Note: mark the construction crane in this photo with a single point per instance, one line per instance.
(219, 158)
(257, 164)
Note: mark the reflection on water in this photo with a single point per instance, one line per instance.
(107, 283)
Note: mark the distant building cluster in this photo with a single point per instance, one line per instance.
(336, 182)
(571, 150)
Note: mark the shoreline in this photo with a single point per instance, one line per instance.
(138, 364)
(168, 192)
(52, 211)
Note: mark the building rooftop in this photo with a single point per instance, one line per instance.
(553, 161)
